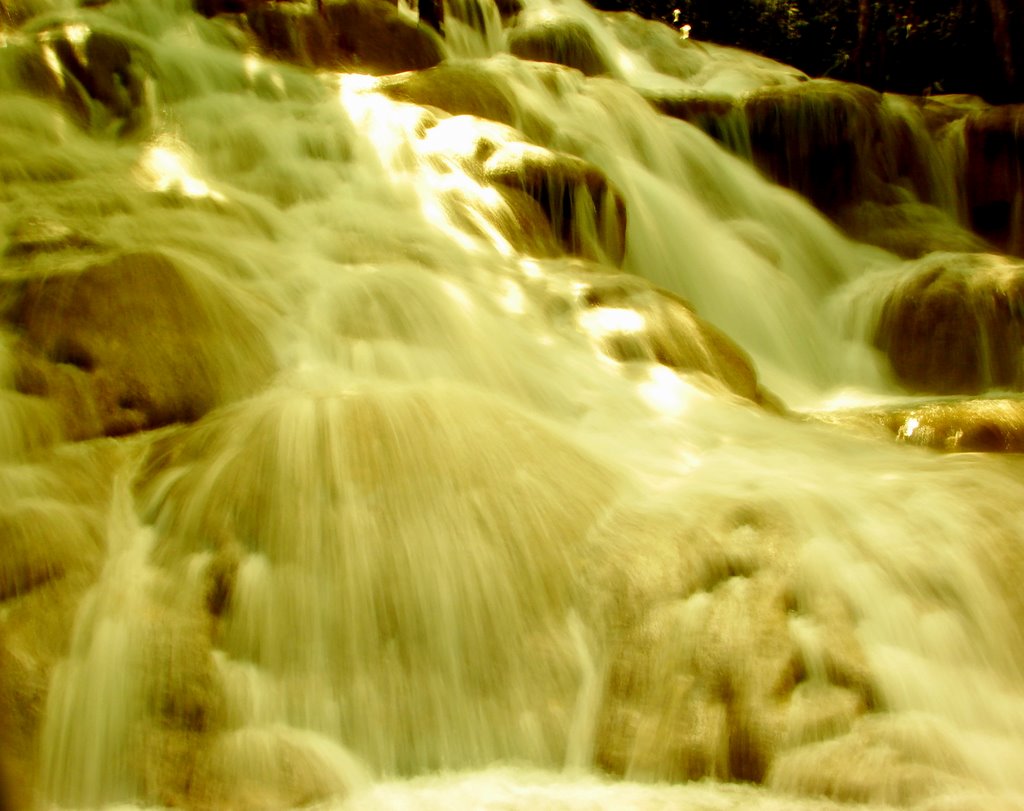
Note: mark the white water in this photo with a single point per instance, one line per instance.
(451, 555)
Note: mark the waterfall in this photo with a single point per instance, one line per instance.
(491, 419)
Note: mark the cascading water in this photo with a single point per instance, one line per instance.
(361, 455)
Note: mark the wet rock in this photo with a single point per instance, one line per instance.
(719, 116)
(458, 88)
(563, 41)
(840, 144)
(52, 546)
(885, 759)
(366, 36)
(585, 210)
(99, 77)
(995, 166)
(133, 343)
(908, 229)
(952, 324)
(660, 327)
(815, 138)
(707, 679)
(987, 425)
(34, 235)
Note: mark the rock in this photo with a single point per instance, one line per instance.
(34, 235)
(840, 144)
(719, 116)
(281, 478)
(705, 667)
(133, 343)
(887, 759)
(986, 425)
(365, 36)
(952, 324)
(99, 77)
(995, 166)
(561, 40)
(585, 210)
(815, 138)
(662, 328)
(458, 88)
(52, 546)
(908, 229)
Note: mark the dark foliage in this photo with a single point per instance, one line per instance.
(911, 46)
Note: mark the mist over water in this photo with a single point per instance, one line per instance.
(351, 474)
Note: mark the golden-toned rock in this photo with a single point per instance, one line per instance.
(365, 36)
(586, 213)
(564, 41)
(988, 424)
(952, 324)
(134, 343)
(98, 76)
(634, 321)
(458, 88)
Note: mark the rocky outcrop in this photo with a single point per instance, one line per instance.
(582, 208)
(458, 88)
(954, 324)
(995, 175)
(365, 36)
(562, 40)
(132, 343)
(988, 425)
(715, 703)
(633, 321)
(99, 77)
(833, 142)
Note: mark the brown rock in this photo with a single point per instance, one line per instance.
(366, 36)
(585, 210)
(667, 331)
(563, 41)
(134, 343)
(97, 76)
(457, 88)
(953, 324)
(990, 425)
(995, 166)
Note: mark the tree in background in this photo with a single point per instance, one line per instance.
(906, 46)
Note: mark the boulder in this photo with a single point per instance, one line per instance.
(816, 138)
(662, 328)
(995, 165)
(99, 77)
(133, 343)
(458, 88)
(562, 40)
(908, 229)
(585, 212)
(706, 677)
(52, 546)
(840, 144)
(982, 424)
(718, 115)
(952, 324)
(363, 36)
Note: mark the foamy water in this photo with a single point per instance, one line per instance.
(430, 544)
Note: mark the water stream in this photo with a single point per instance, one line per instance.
(446, 550)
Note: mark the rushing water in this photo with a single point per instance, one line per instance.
(431, 545)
